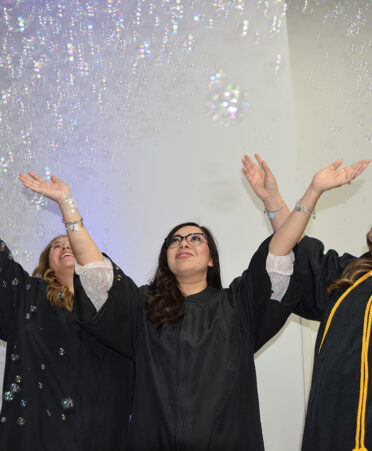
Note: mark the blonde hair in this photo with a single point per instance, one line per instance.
(57, 293)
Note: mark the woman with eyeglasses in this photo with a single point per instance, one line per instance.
(191, 340)
(57, 392)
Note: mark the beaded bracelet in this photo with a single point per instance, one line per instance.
(271, 214)
(304, 210)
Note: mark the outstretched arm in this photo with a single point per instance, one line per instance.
(83, 247)
(330, 177)
(264, 185)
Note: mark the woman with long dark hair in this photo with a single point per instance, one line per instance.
(56, 390)
(192, 341)
(193, 345)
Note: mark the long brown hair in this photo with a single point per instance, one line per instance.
(353, 271)
(57, 293)
(165, 301)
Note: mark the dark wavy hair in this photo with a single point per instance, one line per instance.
(353, 271)
(164, 303)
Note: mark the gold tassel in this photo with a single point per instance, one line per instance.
(364, 370)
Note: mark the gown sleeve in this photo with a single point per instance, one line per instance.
(316, 270)
(17, 287)
(264, 316)
(115, 324)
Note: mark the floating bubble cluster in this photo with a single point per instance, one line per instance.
(217, 79)
(73, 73)
(74, 80)
(226, 103)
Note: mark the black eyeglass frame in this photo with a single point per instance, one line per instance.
(185, 237)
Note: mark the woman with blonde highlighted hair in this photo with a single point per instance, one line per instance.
(57, 383)
(58, 293)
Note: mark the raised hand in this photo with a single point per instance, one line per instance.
(260, 177)
(293, 228)
(264, 185)
(55, 189)
(333, 175)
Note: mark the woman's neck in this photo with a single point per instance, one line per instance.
(191, 287)
(66, 277)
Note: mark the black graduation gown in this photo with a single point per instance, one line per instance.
(195, 386)
(58, 383)
(333, 402)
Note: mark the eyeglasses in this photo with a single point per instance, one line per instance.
(193, 239)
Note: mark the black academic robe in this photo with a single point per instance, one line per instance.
(333, 403)
(195, 385)
(58, 384)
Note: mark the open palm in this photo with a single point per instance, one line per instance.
(333, 176)
(259, 177)
(55, 189)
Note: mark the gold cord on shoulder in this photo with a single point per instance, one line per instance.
(367, 326)
(333, 311)
(361, 418)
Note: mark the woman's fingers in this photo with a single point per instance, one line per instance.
(354, 170)
(266, 168)
(34, 186)
(348, 173)
(359, 167)
(36, 183)
(26, 180)
(36, 177)
(248, 163)
(258, 158)
(55, 179)
(364, 166)
(333, 175)
(335, 165)
(249, 167)
(32, 178)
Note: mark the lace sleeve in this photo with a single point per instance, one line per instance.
(96, 279)
(280, 269)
